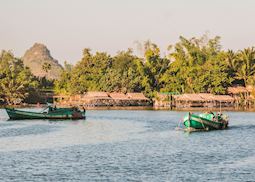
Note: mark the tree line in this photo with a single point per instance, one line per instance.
(196, 65)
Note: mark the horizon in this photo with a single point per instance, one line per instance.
(114, 26)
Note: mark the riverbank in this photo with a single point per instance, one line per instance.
(193, 109)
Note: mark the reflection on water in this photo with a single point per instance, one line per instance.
(126, 146)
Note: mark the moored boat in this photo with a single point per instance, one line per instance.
(205, 121)
(48, 113)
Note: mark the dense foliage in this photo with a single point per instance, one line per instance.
(196, 65)
(192, 66)
(16, 81)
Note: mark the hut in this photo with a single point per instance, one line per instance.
(97, 99)
(92, 99)
(238, 91)
(138, 99)
(189, 100)
(240, 94)
(87, 99)
(223, 101)
(203, 100)
(96, 95)
(208, 99)
(118, 96)
(120, 99)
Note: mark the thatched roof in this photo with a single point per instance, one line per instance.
(206, 96)
(104, 95)
(223, 98)
(136, 96)
(96, 94)
(203, 97)
(89, 96)
(237, 90)
(118, 96)
(190, 97)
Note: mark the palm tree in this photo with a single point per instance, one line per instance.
(231, 60)
(246, 65)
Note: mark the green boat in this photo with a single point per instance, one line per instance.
(48, 113)
(205, 121)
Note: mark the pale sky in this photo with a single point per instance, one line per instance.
(68, 26)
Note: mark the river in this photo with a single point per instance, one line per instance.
(121, 145)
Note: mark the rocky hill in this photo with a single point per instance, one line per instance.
(41, 63)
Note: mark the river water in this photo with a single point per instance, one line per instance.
(119, 145)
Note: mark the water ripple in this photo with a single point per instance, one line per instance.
(28, 130)
(127, 146)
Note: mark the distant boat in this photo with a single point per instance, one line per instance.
(49, 113)
(205, 121)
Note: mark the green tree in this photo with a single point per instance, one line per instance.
(124, 75)
(198, 65)
(16, 81)
(246, 66)
(62, 85)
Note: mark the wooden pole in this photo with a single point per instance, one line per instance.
(171, 101)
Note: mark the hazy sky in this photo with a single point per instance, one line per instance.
(68, 26)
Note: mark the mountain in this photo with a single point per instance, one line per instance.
(37, 57)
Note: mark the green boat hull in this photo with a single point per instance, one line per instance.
(205, 121)
(60, 113)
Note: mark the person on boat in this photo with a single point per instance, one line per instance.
(84, 110)
(213, 116)
(219, 115)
